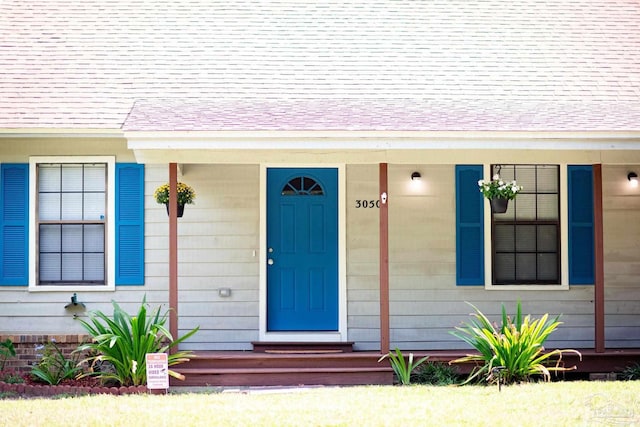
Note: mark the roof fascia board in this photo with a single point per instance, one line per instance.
(277, 134)
(15, 133)
(386, 140)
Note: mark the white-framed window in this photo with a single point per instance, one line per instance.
(526, 247)
(71, 225)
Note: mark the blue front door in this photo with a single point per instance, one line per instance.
(302, 249)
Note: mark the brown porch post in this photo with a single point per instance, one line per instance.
(599, 259)
(173, 251)
(384, 261)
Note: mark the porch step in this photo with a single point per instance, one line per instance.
(285, 376)
(302, 347)
(246, 368)
(283, 369)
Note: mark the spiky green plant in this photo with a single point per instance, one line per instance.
(403, 369)
(632, 372)
(55, 367)
(7, 350)
(514, 352)
(124, 340)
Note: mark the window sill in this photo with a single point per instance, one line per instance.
(558, 287)
(72, 288)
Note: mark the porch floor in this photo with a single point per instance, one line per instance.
(251, 368)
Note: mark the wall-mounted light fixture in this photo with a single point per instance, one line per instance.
(74, 303)
(416, 176)
(633, 179)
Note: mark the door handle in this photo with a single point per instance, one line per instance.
(270, 261)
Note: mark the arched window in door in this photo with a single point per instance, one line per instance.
(302, 186)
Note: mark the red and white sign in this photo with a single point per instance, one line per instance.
(157, 371)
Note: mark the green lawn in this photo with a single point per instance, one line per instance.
(550, 404)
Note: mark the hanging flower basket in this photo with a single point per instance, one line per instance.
(186, 195)
(499, 204)
(180, 209)
(499, 192)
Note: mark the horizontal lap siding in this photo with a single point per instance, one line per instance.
(425, 303)
(217, 237)
(363, 243)
(621, 217)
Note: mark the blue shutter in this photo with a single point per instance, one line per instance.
(129, 224)
(581, 227)
(14, 224)
(469, 226)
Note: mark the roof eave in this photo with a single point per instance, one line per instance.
(251, 140)
(19, 133)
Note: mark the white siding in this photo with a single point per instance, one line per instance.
(621, 205)
(217, 248)
(363, 271)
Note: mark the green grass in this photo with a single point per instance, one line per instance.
(558, 404)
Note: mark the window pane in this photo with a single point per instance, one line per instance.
(49, 206)
(526, 267)
(71, 206)
(526, 176)
(50, 238)
(94, 206)
(506, 172)
(525, 206)
(72, 238)
(547, 206)
(71, 178)
(94, 267)
(49, 267)
(507, 216)
(525, 238)
(547, 179)
(94, 238)
(504, 238)
(95, 177)
(504, 268)
(548, 267)
(548, 238)
(72, 267)
(302, 186)
(48, 178)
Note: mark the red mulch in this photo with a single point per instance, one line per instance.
(80, 382)
(72, 387)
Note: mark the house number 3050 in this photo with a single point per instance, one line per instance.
(367, 204)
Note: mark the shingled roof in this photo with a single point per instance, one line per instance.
(320, 65)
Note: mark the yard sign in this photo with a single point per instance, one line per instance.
(157, 371)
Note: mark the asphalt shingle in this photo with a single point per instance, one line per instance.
(320, 64)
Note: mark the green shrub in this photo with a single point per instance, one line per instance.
(631, 373)
(7, 350)
(11, 377)
(436, 373)
(55, 367)
(513, 352)
(123, 341)
(402, 368)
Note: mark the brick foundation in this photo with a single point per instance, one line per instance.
(28, 348)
